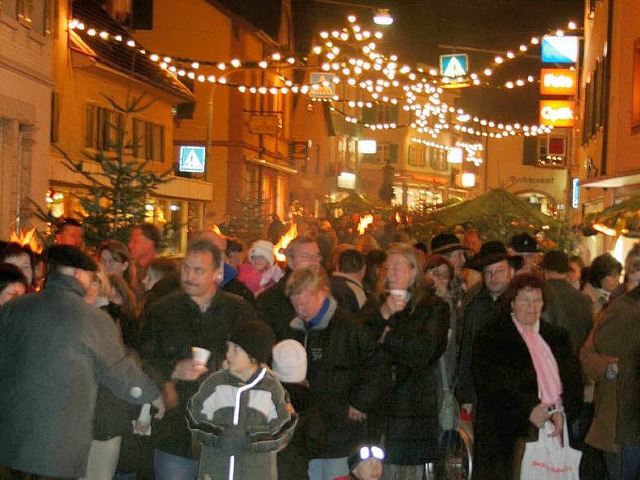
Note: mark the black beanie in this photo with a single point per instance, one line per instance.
(255, 337)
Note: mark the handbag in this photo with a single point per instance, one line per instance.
(449, 415)
(546, 459)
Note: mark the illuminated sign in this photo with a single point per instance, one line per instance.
(322, 86)
(557, 81)
(192, 159)
(347, 180)
(575, 197)
(557, 113)
(454, 65)
(559, 49)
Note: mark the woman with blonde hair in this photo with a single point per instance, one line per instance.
(411, 325)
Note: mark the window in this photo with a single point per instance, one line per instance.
(380, 114)
(148, 143)
(103, 127)
(55, 117)
(25, 12)
(417, 155)
(387, 153)
(551, 151)
(594, 101)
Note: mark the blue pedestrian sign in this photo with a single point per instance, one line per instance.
(192, 159)
(454, 66)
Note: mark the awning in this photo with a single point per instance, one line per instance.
(612, 182)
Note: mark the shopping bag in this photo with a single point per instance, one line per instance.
(546, 459)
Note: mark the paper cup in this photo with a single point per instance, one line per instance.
(200, 355)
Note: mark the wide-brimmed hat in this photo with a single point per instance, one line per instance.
(492, 252)
(524, 243)
(446, 243)
(556, 261)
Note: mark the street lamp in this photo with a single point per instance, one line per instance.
(381, 16)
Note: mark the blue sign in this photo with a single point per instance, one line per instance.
(559, 49)
(192, 159)
(575, 197)
(454, 66)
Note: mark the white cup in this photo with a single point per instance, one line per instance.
(200, 355)
(399, 293)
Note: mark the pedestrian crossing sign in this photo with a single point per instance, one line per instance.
(192, 159)
(454, 66)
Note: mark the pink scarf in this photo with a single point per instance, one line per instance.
(544, 363)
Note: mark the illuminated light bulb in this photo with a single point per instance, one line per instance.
(335, 66)
(195, 65)
(105, 35)
(295, 89)
(253, 90)
(359, 37)
(191, 75)
(476, 82)
(181, 73)
(572, 25)
(80, 26)
(535, 41)
(201, 78)
(167, 59)
(273, 91)
(491, 124)
(498, 60)
(262, 90)
(335, 34)
(91, 32)
(154, 58)
(317, 49)
(530, 79)
(352, 18)
(335, 50)
(523, 48)
(344, 36)
(222, 66)
(351, 81)
(73, 24)
(487, 72)
(304, 89)
(212, 79)
(235, 63)
(173, 69)
(324, 35)
(118, 38)
(263, 64)
(242, 88)
(222, 80)
(510, 54)
(277, 56)
(500, 126)
(163, 66)
(559, 33)
(517, 125)
(291, 60)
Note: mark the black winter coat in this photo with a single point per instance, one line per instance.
(345, 368)
(275, 308)
(507, 392)
(412, 347)
(172, 326)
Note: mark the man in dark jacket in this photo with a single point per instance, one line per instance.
(55, 349)
(346, 370)
(199, 315)
(346, 281)
(273, 304)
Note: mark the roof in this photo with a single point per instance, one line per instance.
(266, 18)
(118, 55)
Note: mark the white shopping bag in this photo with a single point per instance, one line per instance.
(546, 459)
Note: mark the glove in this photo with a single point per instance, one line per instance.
(234, 440)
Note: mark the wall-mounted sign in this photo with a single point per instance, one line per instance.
(192, 159)
(421, 177)
(300, 149)
(454, 66)
(575, 196)
(557, 81)
(264, 124)
(322, 86)
(347, 180)
(557, 113)
(559, 49)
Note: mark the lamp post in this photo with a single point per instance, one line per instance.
(381, 16)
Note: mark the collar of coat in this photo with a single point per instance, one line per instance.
(298, 324)
(65, 282)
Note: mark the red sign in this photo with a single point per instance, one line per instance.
(558, 81)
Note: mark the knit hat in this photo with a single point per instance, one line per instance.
(255, 337)
(290, 361)
(262, 248)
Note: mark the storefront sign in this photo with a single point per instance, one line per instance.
(429, 179)
(557, 81)
(264, 124)
(300, 149)
(559, 49)
(557, 113)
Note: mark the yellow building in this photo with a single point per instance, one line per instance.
(245, 134)
(608, 136)
(94, 65)
(25, 98)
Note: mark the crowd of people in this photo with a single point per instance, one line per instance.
(333, 364)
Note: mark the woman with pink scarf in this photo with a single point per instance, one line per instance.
(525, 375)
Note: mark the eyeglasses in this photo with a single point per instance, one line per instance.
(366, 453)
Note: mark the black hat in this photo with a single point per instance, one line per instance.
(556, 261)
(494, 252)
(68, 256)
(256, 338)
(524, 243)
(446, 243)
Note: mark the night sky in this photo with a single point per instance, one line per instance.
(420, 26)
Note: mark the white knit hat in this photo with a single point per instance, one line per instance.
(262, 248)
(290, 361)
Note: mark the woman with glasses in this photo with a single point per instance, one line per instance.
(411, 325)
(113, 255)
